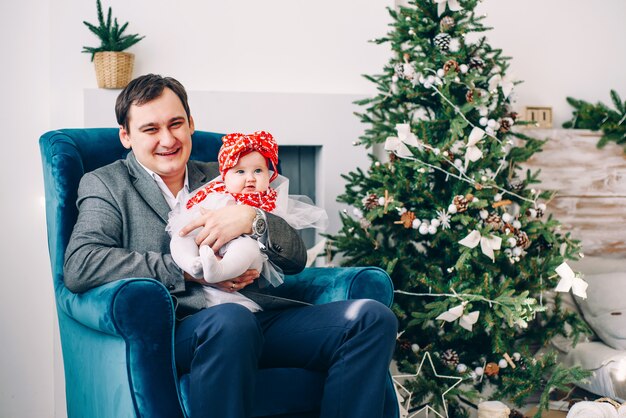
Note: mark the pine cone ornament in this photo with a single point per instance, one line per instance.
(516, 185)
(446, 23)
(370, 202)
(522, 239)
(505, 125)
(472, 94)
(404, 344)
(494, 221)
(476, 62)
(398, 70)
(404, 71)
(515, 414)
(407, 219)
(539, 212)
(442, 41)
(492, 369)
(451, 65)
(507, 228)
(450, 358)
(461, 203)
(536, 212)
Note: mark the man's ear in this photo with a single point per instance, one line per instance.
(192, 126)
(125, 138)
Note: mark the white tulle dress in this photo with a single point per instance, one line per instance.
(242, 253)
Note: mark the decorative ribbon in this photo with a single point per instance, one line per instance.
(465, 321)
(504, 82)
(570, 280)
(399, 144)
(487, 244)
(453, 5)
(472, 152)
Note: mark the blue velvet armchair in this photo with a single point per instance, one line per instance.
(120, 365)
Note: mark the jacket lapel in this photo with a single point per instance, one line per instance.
(147, 188)
(197, 177)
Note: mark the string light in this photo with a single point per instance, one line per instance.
(468, 296)
(463, 177)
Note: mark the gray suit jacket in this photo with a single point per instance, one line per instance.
(120, 233)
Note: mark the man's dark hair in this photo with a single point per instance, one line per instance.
(144, 89)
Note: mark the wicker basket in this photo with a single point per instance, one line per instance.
(114, 70)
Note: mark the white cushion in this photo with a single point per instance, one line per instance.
(607, 364)
(605, 307)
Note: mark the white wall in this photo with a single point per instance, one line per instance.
(26, 302)
(560, 48)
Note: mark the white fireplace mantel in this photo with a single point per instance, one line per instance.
(323, 120)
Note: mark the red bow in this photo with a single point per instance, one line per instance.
(237, 144)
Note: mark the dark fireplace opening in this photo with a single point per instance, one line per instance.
(298, 163)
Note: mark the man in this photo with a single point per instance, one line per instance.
(120, 233)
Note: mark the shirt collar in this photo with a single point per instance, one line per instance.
(167, 193)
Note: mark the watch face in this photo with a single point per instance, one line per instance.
(260, 226)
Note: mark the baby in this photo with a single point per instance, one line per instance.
(247, 165)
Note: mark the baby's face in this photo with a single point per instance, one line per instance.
(250, 175)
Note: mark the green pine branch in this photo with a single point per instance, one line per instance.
(110, 34)
(600, 117)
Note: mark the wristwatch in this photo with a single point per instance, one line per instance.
(259, 224)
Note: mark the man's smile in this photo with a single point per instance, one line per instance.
(168, 153)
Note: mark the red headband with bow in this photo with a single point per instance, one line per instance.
(237, 144)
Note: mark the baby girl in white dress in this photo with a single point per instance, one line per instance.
(247, 166)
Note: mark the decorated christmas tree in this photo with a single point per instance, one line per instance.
(447, 210)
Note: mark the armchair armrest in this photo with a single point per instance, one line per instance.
(321, 285)
(139, 312)
(105, 308)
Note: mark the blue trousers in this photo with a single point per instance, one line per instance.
(351, 341)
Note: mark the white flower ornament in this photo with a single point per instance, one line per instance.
(399, 144)
(466, 321)
(570, 280)
(472, 152)
(487, 244)
(505, 83)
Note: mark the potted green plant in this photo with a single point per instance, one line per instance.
(114, 68)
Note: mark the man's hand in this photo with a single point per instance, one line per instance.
(238, 283)
(221, 226)
(231, 285)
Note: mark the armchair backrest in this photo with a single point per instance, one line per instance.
(66, 155)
